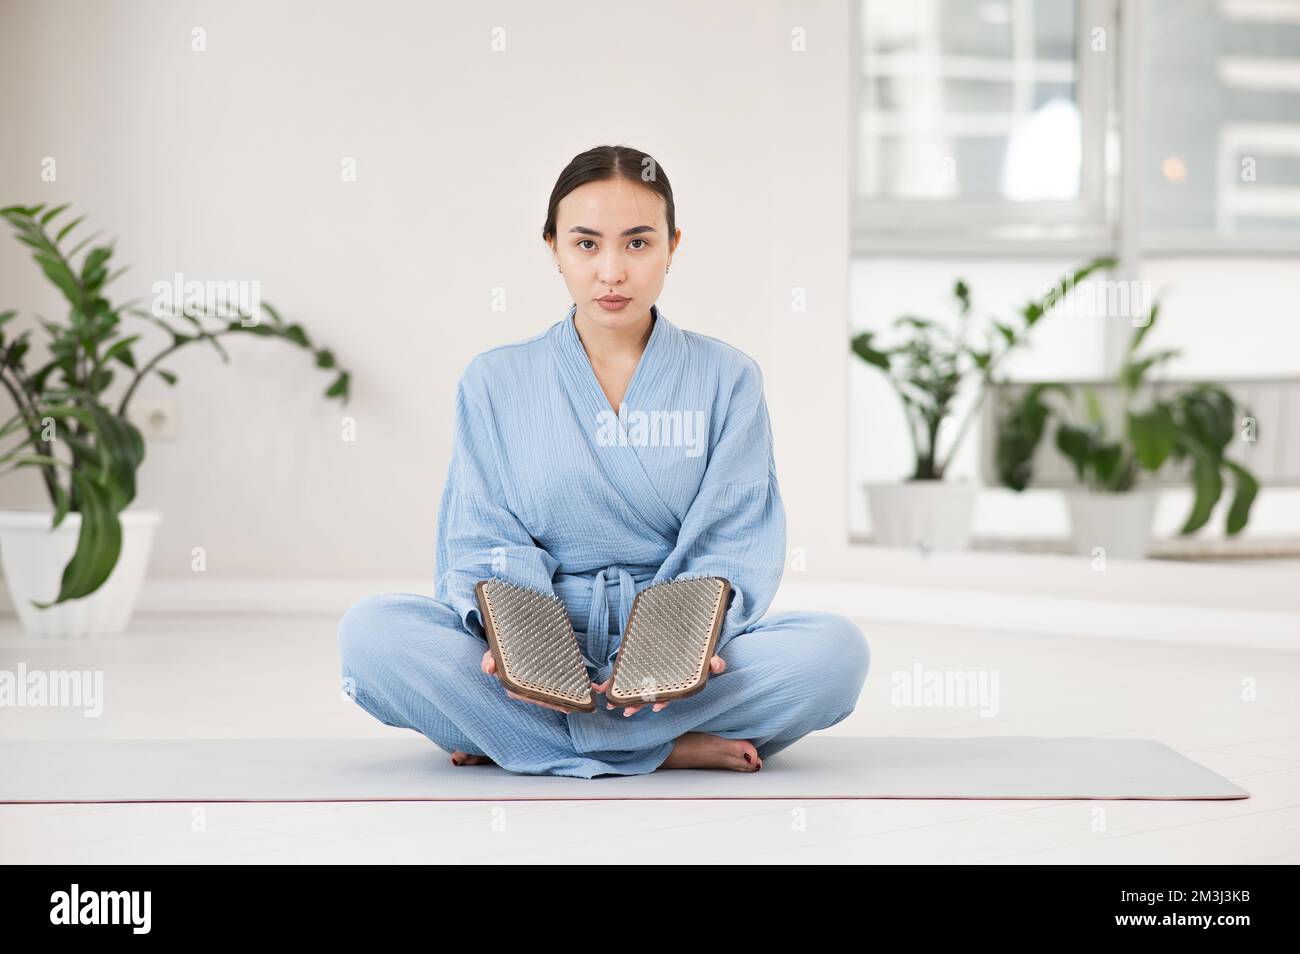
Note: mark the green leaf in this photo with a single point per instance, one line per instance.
(1207, 484)
(98, 544)
(91, 457)
(914, 322)
(125, 451)
(61, 504)
(961, 291)
(1106, 459)
(1019, 432)
(100, 379)
(1077, 445)
(62, 277)
(68, 228)
(297, 335)
(1153, 434)
(45, 219)
(1132, 373)
(1093, 406)
(339, 387)
(1034, 310)
(93, 271)
(325, 359)
(1246, 489)
(83, 243)
(862, 347)
(1145, 328)
(1209, 414)
(165, 375)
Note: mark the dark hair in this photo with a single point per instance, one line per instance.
(611, 162)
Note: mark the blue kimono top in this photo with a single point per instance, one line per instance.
(552, 488)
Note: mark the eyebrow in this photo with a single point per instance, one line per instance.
(583, 230)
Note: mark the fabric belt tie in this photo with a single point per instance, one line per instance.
(599, 653)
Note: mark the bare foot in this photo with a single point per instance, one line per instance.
(465, 758)
(702, 750)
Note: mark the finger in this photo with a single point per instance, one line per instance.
(660, 705)
(717, 664)
(631, 710)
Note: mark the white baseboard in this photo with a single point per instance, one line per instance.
(971, 609)
(980, 611)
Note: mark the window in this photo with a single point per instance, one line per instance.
(980, 116)
(1221, 157)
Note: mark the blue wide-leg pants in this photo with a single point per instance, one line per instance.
(408, 661)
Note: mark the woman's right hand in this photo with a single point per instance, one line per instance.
(489, 666)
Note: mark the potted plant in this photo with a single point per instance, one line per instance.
(929, 371)
(86, 449)
(1111, 511)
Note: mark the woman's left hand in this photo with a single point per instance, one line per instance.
(716, 665)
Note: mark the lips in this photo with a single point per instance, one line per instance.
(615, 299)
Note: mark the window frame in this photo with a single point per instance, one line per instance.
(1106, 219)
(966, 222)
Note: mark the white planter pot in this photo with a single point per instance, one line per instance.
(34, 557)
(1120, 524)
(935, 514)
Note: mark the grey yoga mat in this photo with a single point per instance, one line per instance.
(412, 768)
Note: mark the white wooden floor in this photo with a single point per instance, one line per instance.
(277, 676)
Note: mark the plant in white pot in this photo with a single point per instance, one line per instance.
(1111, 511)
(929, 372)
(75, 568)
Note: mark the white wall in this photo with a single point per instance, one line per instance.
(225, 164)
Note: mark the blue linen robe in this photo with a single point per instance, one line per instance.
(551, 488)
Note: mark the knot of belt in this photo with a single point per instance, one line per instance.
(598, 635)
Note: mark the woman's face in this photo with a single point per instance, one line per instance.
(611, 239)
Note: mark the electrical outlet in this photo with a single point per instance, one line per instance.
(157, 419)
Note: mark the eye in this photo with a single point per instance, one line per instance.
(643, 242)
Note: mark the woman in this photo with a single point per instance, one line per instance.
(609, 452)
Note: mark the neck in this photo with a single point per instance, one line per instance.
(613, 346)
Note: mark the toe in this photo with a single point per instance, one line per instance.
(748, 755)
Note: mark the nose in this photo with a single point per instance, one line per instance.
(611, 269)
